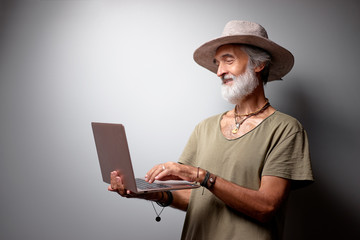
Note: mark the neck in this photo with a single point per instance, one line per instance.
(251, 102)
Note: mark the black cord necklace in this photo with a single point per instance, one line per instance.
(236, 116)
(158, 218)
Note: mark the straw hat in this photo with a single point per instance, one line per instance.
(243, 32)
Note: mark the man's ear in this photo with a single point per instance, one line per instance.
(259, 68)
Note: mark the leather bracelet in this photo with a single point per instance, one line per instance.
(169, 200)
(209, 180)
(204, 182)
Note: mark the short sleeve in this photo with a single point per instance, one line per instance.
(188, 156)
(290, 159)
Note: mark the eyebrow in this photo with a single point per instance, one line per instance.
(224, 56)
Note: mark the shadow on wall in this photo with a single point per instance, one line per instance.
(314, 214)
(318, 211)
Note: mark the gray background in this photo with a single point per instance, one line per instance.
(66, 63)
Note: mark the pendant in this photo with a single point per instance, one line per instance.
(158, 218)
(236, 129)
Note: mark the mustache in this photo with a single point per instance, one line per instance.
(227, 77)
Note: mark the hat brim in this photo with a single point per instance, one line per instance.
(282, 60)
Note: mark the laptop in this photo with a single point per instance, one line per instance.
(113, 153)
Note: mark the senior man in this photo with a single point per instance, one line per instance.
(247, 159)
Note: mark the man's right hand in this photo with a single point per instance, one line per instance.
(116, 185)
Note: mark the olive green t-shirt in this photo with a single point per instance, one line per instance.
(278, 146)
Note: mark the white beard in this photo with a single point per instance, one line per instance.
(242, 86)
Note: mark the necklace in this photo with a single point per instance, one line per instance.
(248, 115)
(158, 218)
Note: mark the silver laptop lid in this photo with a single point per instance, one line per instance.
(113, 152)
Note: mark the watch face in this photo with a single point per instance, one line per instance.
(211, 180)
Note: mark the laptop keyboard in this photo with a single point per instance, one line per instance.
(142, 184)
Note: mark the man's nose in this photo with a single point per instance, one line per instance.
(221, 70)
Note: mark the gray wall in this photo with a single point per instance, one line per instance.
(64, 64)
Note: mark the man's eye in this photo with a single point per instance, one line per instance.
(229, 61)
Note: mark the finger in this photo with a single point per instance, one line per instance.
(129, 194)
(118, 183)
(151, 171)
(112, 179)
(162, 175)
(120, 187)
(156, 172)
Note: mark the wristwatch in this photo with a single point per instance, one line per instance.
(209, 180)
